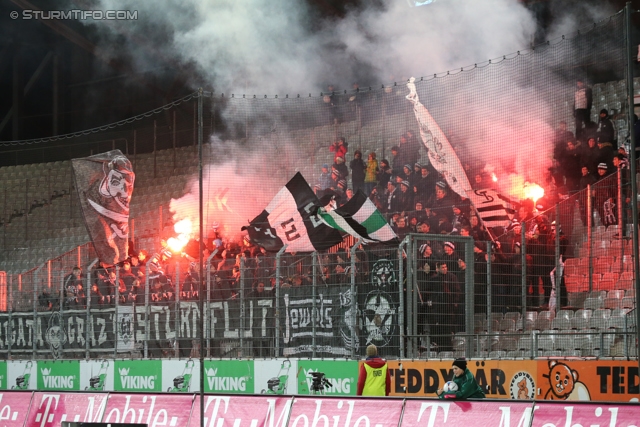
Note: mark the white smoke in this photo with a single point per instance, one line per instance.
(284, 47)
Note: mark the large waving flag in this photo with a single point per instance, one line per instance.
(290, 218)
(441, 154)
(105, 184)
(360, 218)
(492, 208)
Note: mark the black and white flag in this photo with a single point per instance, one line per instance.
(105, 184)
(493, 209)
(290, 219)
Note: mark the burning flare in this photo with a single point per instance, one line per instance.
(183, 229)
(533, 191)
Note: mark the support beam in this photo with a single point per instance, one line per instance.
(16, 85)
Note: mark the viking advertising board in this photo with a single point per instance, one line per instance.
(138, 375)
(341, 377)
(3, 376)
(58, 375)
(275, 376)
(229, 376)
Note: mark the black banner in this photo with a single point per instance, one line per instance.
(59, 332)
(332, 321)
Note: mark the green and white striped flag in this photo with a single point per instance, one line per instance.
(360, 218)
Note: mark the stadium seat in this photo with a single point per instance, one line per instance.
(565, 342)
(617, 323)
(547, 314)
(593, 303)
(612, 276)
(525, 325)
(497, 317)
(567, 314)
(576, 299)
(618, 312)
(607, 284)
(612, 303)
(546, 343)
(445, 355)
(597, 323)
(458, 342)
(603, 264)
(497, 354)
(616, 293)
(561, 323)
(492, 326)
(542, 324)
(507, 325)
(525, 344)
(513, 315)
(628, 302)
(516, 354)
(602, 313)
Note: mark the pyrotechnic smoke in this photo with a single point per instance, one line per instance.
(257, 47)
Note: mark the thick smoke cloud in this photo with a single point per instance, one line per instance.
(283, 47)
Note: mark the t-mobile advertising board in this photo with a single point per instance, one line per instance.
(14, 406)
(479, 413)
(242, 411)
(342, 412)
(50, 409)
(152, 409)
(561, 414)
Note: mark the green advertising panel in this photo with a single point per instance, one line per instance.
(60, 375)
(3, 376)
(228, 376)
(340, 377)
(138, 375)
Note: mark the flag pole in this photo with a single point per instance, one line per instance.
(201, 248)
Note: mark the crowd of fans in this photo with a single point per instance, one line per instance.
(416, 199)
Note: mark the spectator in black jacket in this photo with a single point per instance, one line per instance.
(357, 171)
(606, 131)
(583, 101)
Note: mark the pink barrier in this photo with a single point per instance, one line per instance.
(566, 413)
(237, 411)
(345, 412)
(49, 409)
(151, 409)
(430, 413)
(14, 407)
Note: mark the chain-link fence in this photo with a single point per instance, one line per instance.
(561, 281)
